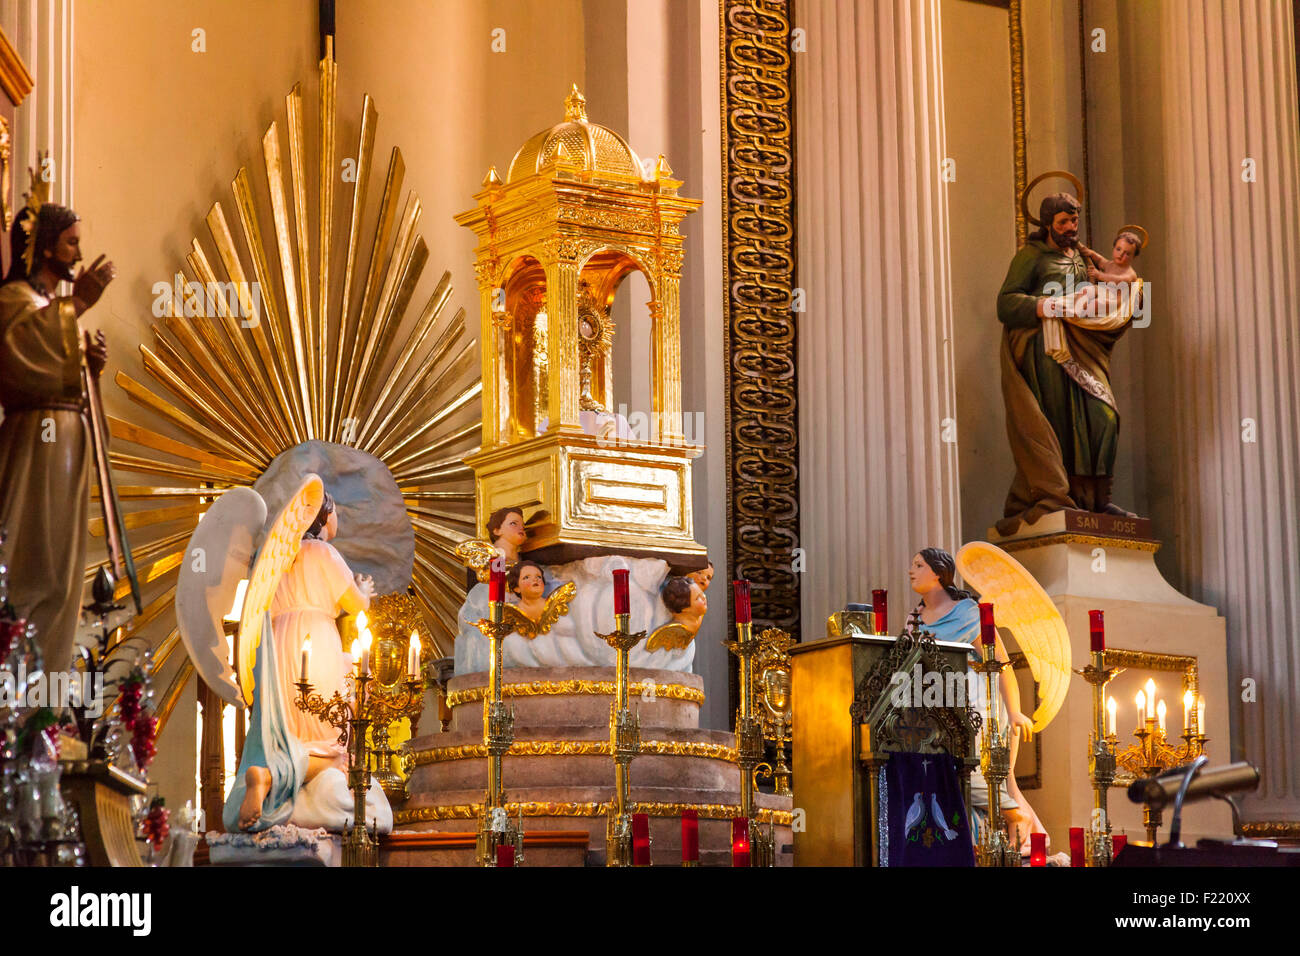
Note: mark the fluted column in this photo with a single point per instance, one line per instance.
(1229, 90)
(877, 429)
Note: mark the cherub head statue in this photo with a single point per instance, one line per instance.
(507, 524)
(526, 580)
(682, 594)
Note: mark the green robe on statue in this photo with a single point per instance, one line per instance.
(1061, 416)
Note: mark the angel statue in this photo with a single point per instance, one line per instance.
(952, 614)
(684, 597)
(506, 532)
(293, 765)
(536, 612)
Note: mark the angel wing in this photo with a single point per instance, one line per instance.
(670, 637)
(206, 590)
(1023, 607)
(281, 546)
(557, 605)
(476, 554)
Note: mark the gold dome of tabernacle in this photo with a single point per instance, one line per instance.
(589, 146)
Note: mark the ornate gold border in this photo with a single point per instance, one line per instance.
(1151, 661)
(574, 748)
(564, 688)
(15, 79)
(1271, 829)
(471, 811)
(1070, 537)
(758, 228)
(1018, 137)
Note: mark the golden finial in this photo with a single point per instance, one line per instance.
(492, 178)
(662, 169)
(575, 106)
(38, 197)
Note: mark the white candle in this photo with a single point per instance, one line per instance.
(365, 654)
(1111, 707)
(1151, 699)
(413, 655)
(1200, 716)
(1188, 700)
(1141, 706)
(306, 656)
(1160, 715)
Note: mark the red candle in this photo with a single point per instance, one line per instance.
(640, 839)
(1077, 853)
(620, 591)
(497, 586)
(1038, 849)
(690, 836)
(739, 842)
(988, 631)
(741, 590)
(1097, 630)
(880, 607)
(1117, 842)
(505, 854)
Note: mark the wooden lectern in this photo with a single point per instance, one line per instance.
(845, 728)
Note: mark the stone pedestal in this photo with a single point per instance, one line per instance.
(1086, 561)
(562, 774)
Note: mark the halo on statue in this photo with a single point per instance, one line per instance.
(1050, 174)
(1137, 230)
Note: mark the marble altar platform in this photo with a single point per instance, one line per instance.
(561, 772)
(1088, 561)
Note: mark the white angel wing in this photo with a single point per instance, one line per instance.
(1023, 607)
(283, 540)
(216, 560)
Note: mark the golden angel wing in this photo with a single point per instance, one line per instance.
(557, 605)
(283, 541)
(519, 622)
(1023, 607)
(476, 554)
(669, 637)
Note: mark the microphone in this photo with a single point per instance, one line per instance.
(1157, 792)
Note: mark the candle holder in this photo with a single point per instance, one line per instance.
(994, 848)
(773, 666)
(1101, 761)
(389, 705)
(1152, 755)
(494, 827)
(749, 744)
(625, 743)
(352, 718)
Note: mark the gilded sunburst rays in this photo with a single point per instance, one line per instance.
(275, 358)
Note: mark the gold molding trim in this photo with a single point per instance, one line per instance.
(1018, 137)
(1070, 537)
(15, 79)
(563, 688)
(471, 811)
(1271, 829)
(758, 227)
(1151, 661)
(574, 748)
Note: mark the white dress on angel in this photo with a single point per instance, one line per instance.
(281, 737)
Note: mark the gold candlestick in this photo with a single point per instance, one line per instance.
(494, 827)
(359, 848)
(749, 745)
(625, 743)
(1101, 761)
(994, 847)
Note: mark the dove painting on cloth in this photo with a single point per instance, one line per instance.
(926, 819)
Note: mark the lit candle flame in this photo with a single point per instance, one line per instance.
(1160, 714)
(1111, 708)
(1151, 698)
(1141, 704)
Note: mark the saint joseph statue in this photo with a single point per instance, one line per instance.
(1061, 417)
(45, 451)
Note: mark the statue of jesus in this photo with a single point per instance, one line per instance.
(1062, 421)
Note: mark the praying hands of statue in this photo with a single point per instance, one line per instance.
(89, 284)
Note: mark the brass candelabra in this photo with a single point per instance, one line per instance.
(352, 718)
(494, 827)
(625, 742)
(1153, 755)
(1101, 761)
(749, 745)
(994, 847)
(389, 704)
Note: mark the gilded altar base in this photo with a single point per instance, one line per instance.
(1088, 561)
(560, 771)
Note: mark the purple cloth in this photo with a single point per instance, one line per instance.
(926, 816)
